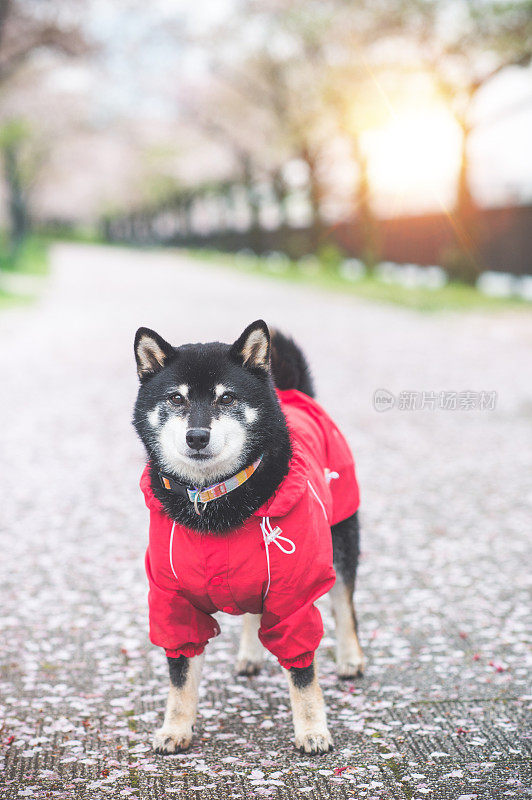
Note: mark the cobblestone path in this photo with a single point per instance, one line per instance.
(443, 597)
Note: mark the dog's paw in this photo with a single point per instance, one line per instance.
(350, 669)
(247, 666)
(172, 740)
(350, 664)
(314, 743)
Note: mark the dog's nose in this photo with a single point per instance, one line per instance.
(198, 438)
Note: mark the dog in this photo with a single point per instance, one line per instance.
(253, 505)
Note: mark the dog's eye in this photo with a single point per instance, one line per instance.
(176, 399)
(226, 399)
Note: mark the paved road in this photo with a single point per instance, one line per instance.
(442, 594)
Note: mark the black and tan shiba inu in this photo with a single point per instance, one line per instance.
(240, 458)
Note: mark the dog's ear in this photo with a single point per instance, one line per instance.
(252, 348)
(151, 352)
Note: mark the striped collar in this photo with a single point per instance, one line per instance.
(196, 495)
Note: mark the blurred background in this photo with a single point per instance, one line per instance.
(369, 139)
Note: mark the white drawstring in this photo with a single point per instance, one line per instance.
(270, 535)
(274, 535)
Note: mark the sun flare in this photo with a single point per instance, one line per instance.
(413, 159)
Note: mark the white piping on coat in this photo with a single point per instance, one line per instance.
(318, 499)
(171, 548)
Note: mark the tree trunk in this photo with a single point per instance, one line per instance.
(367, 221)
(18, 213)
(5, 8)
(465, 204)
(315, 199)
(185, 217)
(280, 192)
(253, 206)
(463, 261)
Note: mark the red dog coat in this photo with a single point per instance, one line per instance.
(277, 563)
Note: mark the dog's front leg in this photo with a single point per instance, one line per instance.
(181, 706)
(308, 711)
(250, 652)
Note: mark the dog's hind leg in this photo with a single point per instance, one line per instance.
(349, 655)
(181, 706)
(308, 711)
(251, 651)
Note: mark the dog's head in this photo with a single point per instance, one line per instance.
(202, 409)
